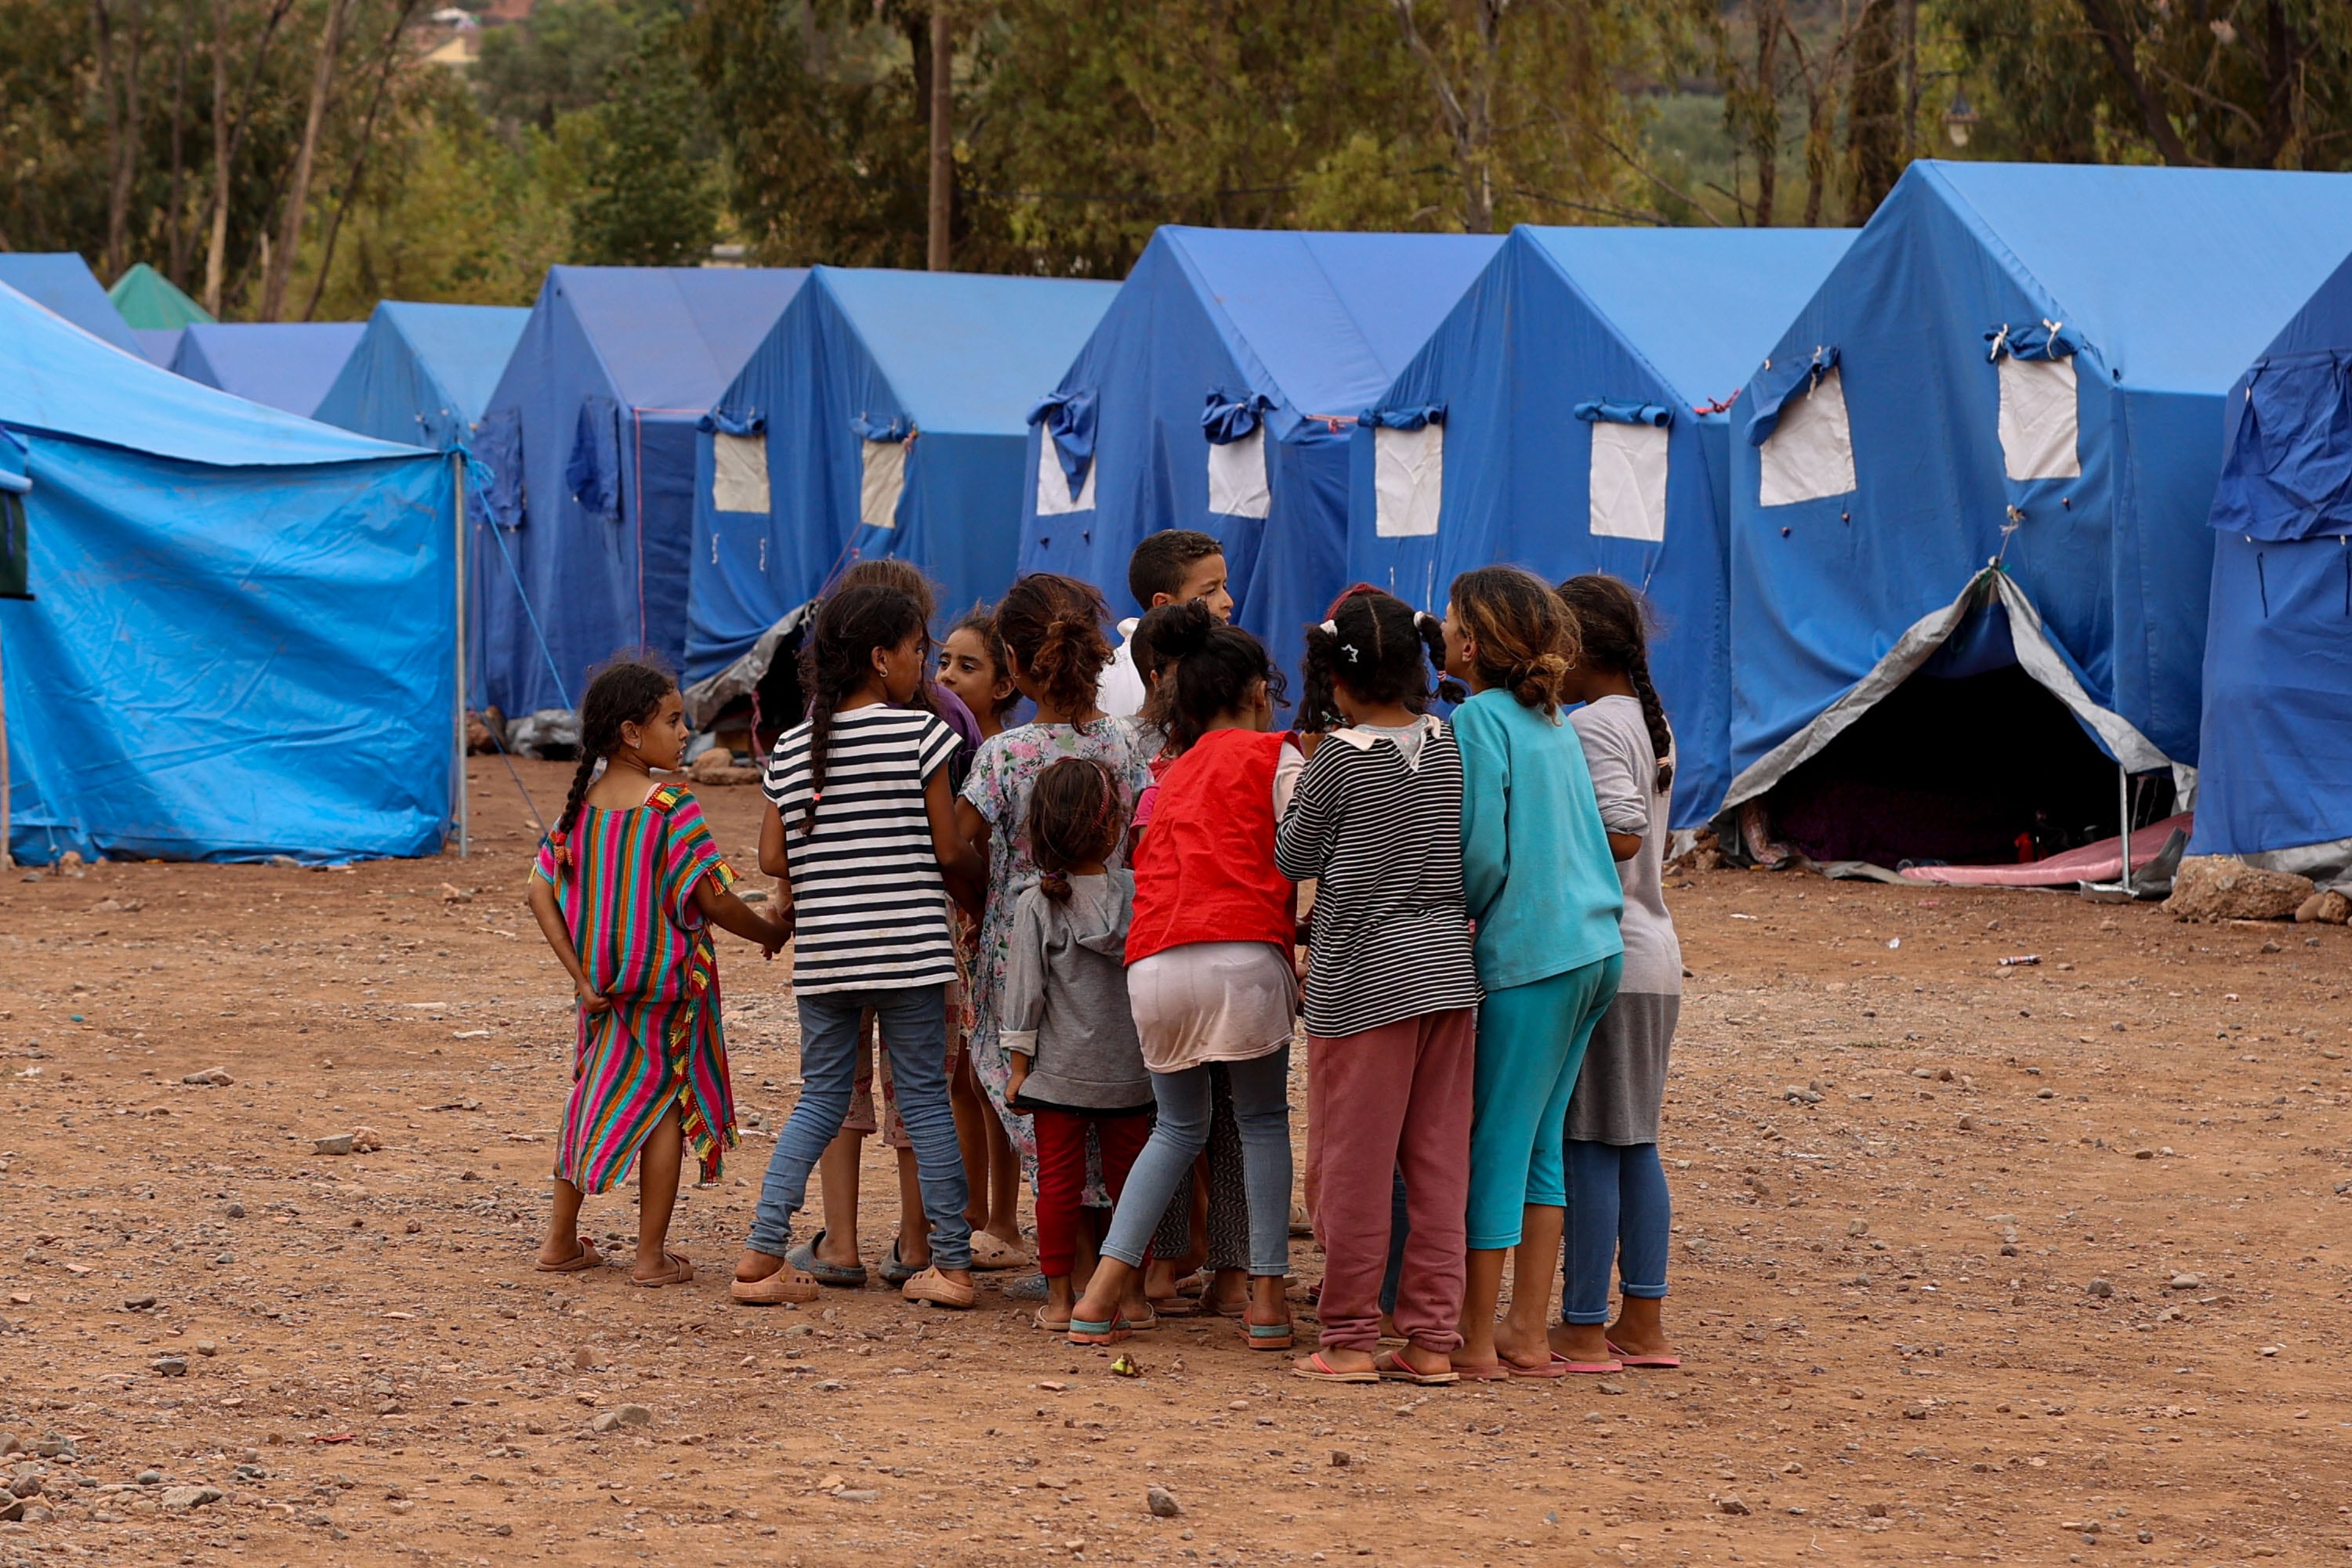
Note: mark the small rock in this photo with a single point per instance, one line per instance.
(2143, 1153)
(1611, 1386)
(2270, 1349)
(1730, 1503)
(584, 1358)
(235, 1211)
(634, 1415)
(2327, 908)
(2222, 887)
(179, 1499)
(1915, 1412)
(1874, 1509)
(12, 1509)
(503, 1530)
(1968, 1124)
(56, 1447)
(852, 1494)
(210, 1078)
(603, 1421)
(1857, 1226)
(338, 1144)
(150, 1477)
(2099, 1288)
(1161, 1502)
(139, 1303)
(2188, 1282)
(206, 1347)
(1341, 1459)
(171, 1366)
(9, 1445)
(26, 1484)
(366, 1140)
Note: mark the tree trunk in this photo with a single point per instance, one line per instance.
(1871, 161)
(1764, 108)
(280, 269)
(2116, 39)
(942, 136)
(1820, 111)
(118, 82)
(216, 239)
(1908, 145)
(387, 66)
(175, 222)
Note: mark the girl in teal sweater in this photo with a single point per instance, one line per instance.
(1543, 891)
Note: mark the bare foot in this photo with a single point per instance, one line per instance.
(1640, 1335)
(1528, 1351)
(1422, 1359)
(841, 1253)
(1580, 1342)
(1228, 1293)
(1338, 1359)
(753, 1267)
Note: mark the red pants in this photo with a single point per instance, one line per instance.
(1062, 1176)
(1392, 1098)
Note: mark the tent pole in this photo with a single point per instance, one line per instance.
(457, 474)
(2123, 792)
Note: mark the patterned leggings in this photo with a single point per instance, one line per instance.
(1228, 1203)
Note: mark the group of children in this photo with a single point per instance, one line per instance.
(1077, 941)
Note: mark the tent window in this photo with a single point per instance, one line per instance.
(2038, 418)
(1629, 481)
(1408, 480)
(1809, 454)
(1237, 486)
(885, 480)
(738, 473)
(1054, 496)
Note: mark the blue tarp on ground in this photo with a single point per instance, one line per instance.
(1580, 377)
(591, 442)
(1276, 340)
(239, 642)
(422, 375)
(2277, 773)
(64, 283)
(286, 365)
(921, 381)
(2074, 327)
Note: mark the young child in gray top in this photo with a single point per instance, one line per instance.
(1067, 1031)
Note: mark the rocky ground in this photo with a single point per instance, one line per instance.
(2027, 1264)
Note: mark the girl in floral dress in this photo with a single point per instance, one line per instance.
(627, 889)
(1051, 629)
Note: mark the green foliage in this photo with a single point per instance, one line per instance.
(557, 61)
(650, 194)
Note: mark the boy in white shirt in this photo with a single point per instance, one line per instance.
(1174, 566)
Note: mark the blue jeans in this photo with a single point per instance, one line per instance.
(1262, 1110)
(912, 1022)
(1618, 1209)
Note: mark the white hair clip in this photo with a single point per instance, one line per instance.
(1349, 649)
(1330, 627)
(1423, 619)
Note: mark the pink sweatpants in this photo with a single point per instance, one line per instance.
(1396, 1097)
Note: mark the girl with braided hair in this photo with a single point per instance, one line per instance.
(1618, 1205)
(627, 889)
(1542, 886)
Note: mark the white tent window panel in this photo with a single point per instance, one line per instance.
(1809, 454)
(738, 473)
(1237, 486)
(1054, 498)
(1408, 481)
(884, 481)
(2038, 418)
(1629, 481)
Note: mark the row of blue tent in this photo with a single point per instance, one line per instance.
(1984, 434)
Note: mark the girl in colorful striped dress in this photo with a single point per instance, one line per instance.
(627, 889)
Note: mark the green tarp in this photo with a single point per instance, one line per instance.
(152, 302)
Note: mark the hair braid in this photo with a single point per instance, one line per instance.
(1653, 717)
(627, 691)
(837, 661)
(582, 777)
(1613, 619)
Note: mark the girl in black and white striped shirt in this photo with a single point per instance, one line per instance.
(1391, 992)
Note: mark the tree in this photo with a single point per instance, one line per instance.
(556, 61)
(651, 196)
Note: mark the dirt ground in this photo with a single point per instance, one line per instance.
(2026, 1264)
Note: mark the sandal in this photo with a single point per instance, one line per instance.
(1174, 1306)
(1268, 1336)
(848, 1276)
(586, 1257)
(1555, 1366)
(930, 1285)
(679, 1272)
(1391, 1368)
(1493, 1371)
(1085, 1331)
(786, 1284)
(1667, 1360)
(1049, 1325)
(898, 1273)
(1315, 1369)
(992, 1252)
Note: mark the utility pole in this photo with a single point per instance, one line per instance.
(943, 135)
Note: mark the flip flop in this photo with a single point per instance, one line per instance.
(679, 1272)
(1268, 1336)
(1087, 1331)
(1049, 1325)
(1174, 1306)
(1631, 1359)
(930, 1285)
(896, 1272)
(1494, 1372)
(1391, 1368)
(586, 1257)
(848, 1276)
(786, 1284)
(992, 1252)
(1557, 1366)
(1315, 1369)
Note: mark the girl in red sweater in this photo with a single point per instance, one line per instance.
(1210, 972)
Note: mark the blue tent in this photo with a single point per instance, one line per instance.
(159, 345)
(885, 414)
(422, 375)
(1988, 446)
(1218, 393)
(239, 639)
(590, 438)
(64, 283)
(1590, 362)
(286, 365)
(2277, 782)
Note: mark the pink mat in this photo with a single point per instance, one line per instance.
(2102, 861)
